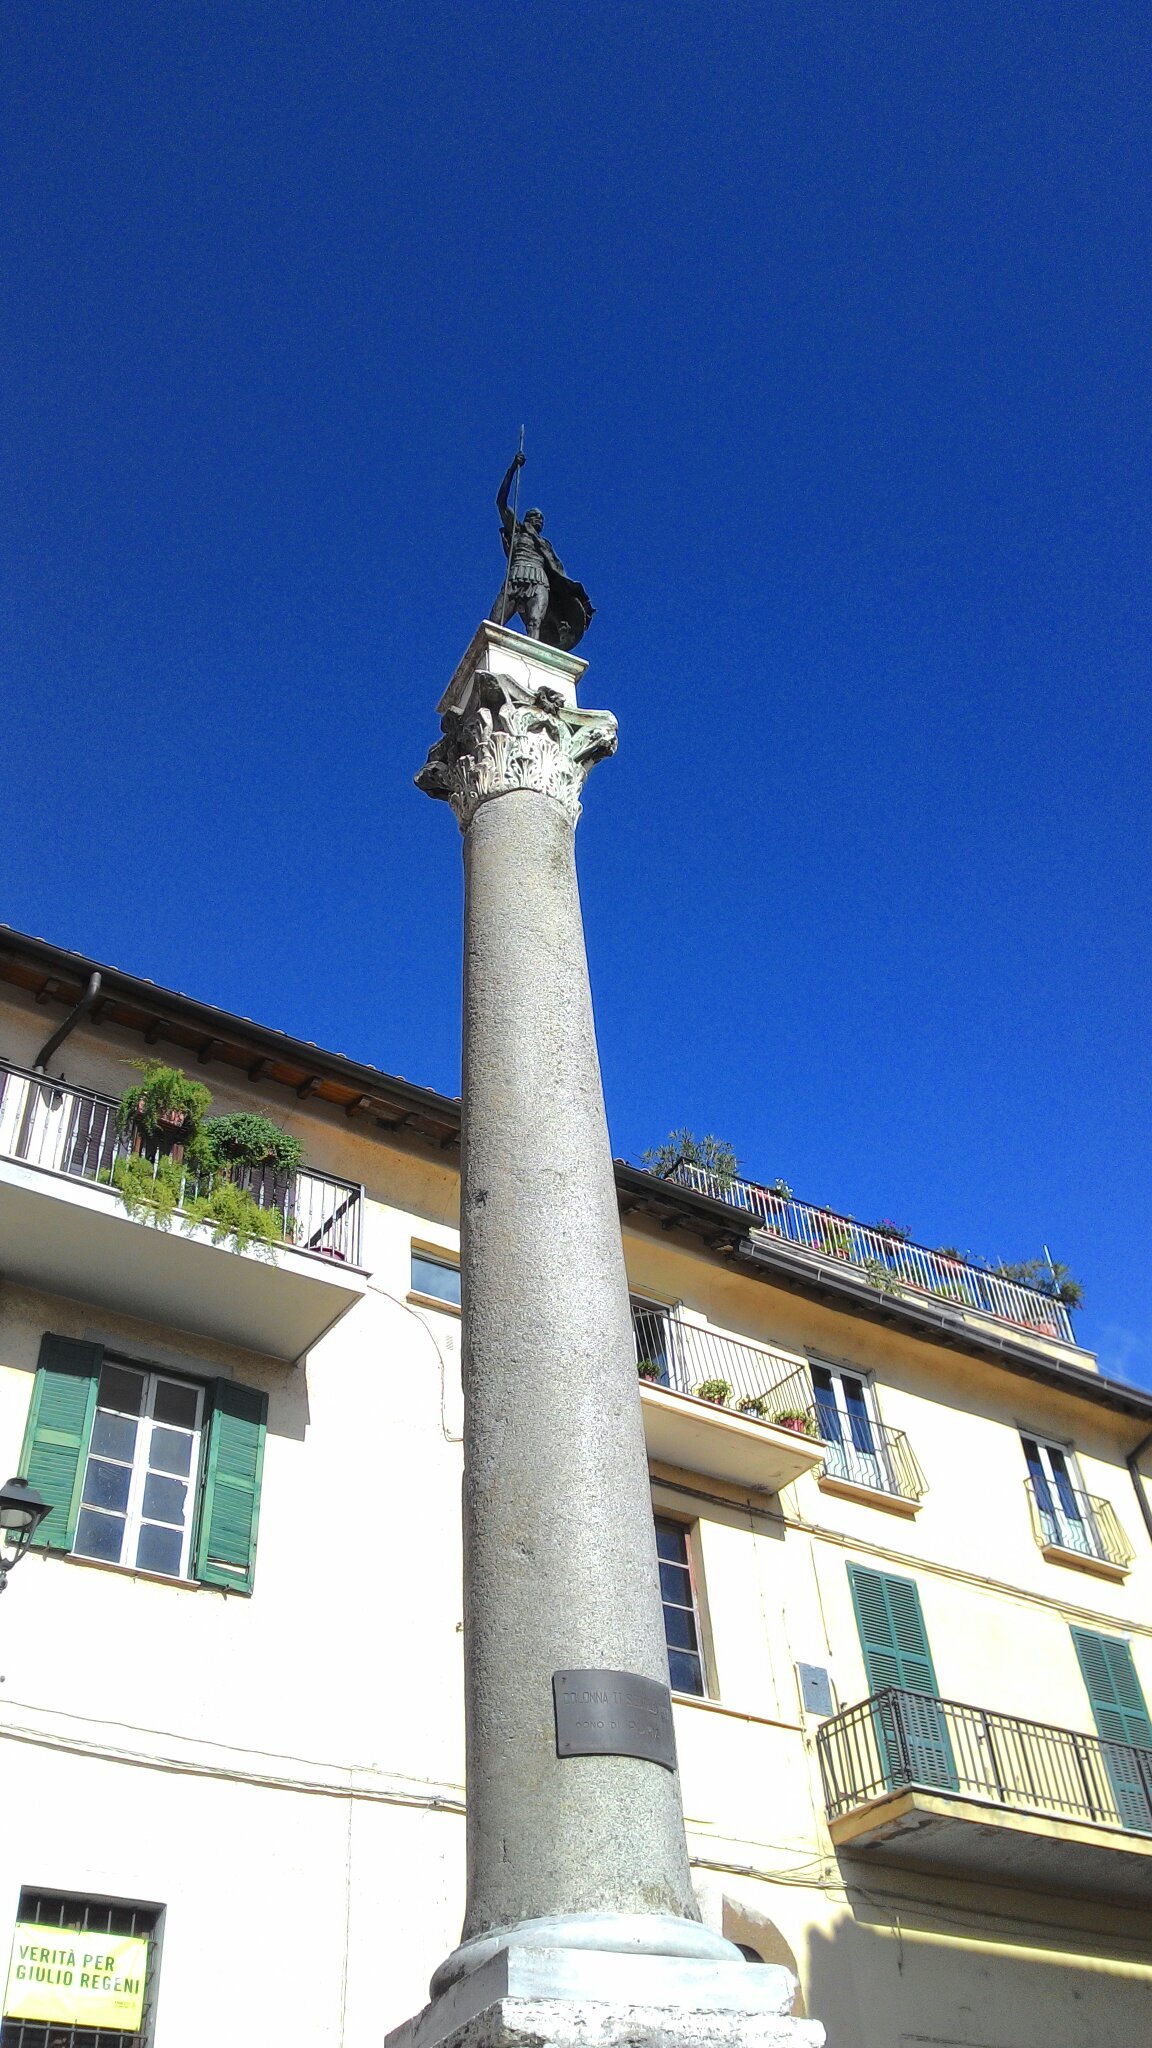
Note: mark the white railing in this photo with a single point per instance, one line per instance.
(892, 1263)
(73, 1131)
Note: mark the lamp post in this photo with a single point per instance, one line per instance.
(21, 1512)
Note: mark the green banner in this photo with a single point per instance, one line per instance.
(85, 1980)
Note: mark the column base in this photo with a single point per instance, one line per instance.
(608, 1998)
(639, 1934)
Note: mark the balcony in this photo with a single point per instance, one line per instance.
(893, 1265)
(869, 1459)
(718, 1405)
(959, 1790)
(1078, 1528)
(64, 1229)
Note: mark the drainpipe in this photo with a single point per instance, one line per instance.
(1133, 1461)
(71, 1020)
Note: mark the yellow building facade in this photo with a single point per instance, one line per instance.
(905, 1556)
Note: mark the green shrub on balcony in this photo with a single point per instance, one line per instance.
(183, 1160)
(150, 1189)
(236, 1218)
(242, 1139)
(164, 1109)
(719, 1392)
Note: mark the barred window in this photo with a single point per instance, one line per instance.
(87, 1917)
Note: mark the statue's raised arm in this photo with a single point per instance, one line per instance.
(551, 607)
(507, 520)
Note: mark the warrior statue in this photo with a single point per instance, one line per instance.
(551, 607)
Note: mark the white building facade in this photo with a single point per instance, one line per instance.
(230, 1669)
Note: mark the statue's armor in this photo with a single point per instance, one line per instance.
(527, 563)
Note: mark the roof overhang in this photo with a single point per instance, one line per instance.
(399, 1108)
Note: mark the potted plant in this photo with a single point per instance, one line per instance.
(719, 1392)
(164, 1111)
(649, 1368)
(798, 1419)
(886, 1228)
(242, 1139)
(754, 1404)
(235, 1217)
(835, 1235)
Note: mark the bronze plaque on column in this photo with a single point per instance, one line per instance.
(613, 1713)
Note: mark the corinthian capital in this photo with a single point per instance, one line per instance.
(504, 738)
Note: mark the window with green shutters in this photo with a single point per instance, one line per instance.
(909, 1730)
(1122, 1722)
(145, 1469)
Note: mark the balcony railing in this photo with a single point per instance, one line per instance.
(891, 1263)
(73, 1131)
(1063, 1518)
(869, 1455)
(899, 1739)
(704, 1362)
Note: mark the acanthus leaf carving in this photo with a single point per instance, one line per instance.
(505, 738)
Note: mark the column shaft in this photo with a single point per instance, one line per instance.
(559, 1552)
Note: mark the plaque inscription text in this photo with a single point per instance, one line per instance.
(613, 1713)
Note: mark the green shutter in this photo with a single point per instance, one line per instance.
(892, 1632)
(59, 1426)
(911, 1735)
(230, 1498)
(1121, 1716)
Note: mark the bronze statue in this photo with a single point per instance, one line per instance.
(551, 606)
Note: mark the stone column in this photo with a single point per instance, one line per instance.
(572, 1852)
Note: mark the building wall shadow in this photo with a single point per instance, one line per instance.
(907, 1963)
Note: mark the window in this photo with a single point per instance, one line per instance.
(908, 1729)
(63, 1917)
(1122, 1722)
(1064, 1511)
(653, 1340)
(439, 1278)
(846, 1419)
(681, 1626)
(144, 1469)
(138, 1497)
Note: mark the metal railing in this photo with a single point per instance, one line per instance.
(1063, 1518)
(898, 1738)
(727, 1371)
(73, 1131)
(892, 1263)
(734, 1374)
(869, 1454)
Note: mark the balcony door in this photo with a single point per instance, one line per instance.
(1121, 1718)
(1065, 1516)
(652, 1329)
(846, 1418)
(909, 1728)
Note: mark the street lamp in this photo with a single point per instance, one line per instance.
(21, 1513)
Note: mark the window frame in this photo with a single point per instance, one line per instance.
(847, 1460)
(687, 1533)
(17, 2033)
(225, 1487)
(661, 1311)
(447, 1262)
(1061, 1521)
(133, 1517)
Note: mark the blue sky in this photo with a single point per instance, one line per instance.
(829, 326)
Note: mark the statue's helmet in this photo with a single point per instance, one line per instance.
(534, 518)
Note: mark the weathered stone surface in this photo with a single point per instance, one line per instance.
(560, 1562)
(524, 1997)
(578, 1852)
(504, 738)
